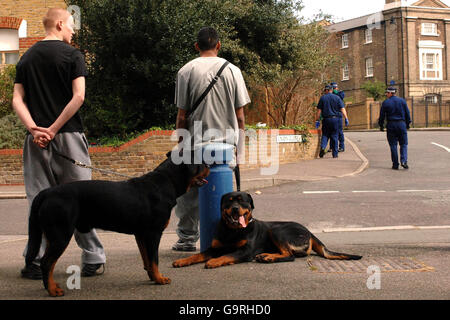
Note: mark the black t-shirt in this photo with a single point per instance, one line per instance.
(46, 71)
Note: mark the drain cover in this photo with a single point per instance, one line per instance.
(400, 264)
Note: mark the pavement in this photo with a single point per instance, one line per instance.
(405, 264)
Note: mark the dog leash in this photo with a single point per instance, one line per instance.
(86, 166)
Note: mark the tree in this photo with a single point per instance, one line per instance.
(7, 76)
(134, 49)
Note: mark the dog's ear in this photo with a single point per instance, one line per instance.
(168, 154)
(251, 201)
(221, 201)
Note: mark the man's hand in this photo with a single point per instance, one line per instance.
(346, 122)
(381, 128)
(42, 136)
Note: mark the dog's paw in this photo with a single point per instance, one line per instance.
(180, 263)
(265, 258)
(219, 262)
(162, 280)
(55, 291)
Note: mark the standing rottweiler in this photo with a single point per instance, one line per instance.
(241, 238)
(139, 206)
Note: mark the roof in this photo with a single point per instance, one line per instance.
(430, 4)
(367, 20)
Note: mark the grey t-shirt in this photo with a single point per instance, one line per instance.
(217, 111)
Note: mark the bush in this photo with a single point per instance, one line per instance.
(12, 132)
(374, 89)
(7, 77)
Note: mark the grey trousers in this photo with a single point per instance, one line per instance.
(43, 169)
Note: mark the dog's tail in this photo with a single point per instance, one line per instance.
(34, 230)
(322, 251)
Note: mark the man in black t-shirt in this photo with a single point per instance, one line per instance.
(49, 90)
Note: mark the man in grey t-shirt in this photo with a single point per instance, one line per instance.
(218, 118)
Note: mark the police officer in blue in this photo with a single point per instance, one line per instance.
(396, 112)
(340, 94)
(329, 107)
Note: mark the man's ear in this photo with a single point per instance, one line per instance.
(197, 47)
(218, 45)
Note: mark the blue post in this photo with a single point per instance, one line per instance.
(220, 181)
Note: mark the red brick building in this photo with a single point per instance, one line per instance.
(404, 43)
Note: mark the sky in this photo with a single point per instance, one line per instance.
(346, 9)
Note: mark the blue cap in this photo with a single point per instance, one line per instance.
(391, 90)
(328, 87)
(334, 85)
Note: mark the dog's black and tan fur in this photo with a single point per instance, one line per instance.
(241, 238)
(139, 206)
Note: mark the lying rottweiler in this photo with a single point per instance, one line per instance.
(240, 238)
(139, 206)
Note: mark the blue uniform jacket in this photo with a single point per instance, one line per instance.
(394, 109)
(330, 104)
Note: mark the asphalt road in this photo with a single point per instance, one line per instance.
(378, 196)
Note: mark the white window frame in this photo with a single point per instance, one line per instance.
(369, 67)
(368, 35)
(3, 56)
(344, 41)
(345, 72)
(437, 63)
(434, 29)
(431, 98)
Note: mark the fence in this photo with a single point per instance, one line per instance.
(424, 113)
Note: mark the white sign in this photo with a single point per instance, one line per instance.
(289, 138)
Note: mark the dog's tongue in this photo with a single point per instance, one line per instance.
(242, 221)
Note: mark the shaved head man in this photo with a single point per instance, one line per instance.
(48, 92)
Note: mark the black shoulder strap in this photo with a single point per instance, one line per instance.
(213, 82)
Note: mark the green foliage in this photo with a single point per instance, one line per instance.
(134, 49)
(12, 132)
(7, 77)
(374, 89)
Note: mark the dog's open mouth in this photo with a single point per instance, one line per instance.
(240, 221)
(201, 182)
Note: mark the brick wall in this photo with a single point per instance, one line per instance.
(144, 153)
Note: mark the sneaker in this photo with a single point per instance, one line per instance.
(321, 153)
(341, 150)
(32, 272)
(405, 165)
(90, 270)
(181, 245)
(395, 167)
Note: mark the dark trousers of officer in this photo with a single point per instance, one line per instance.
(330, 131)
(341, 134)
(341, 137)
(397, 134)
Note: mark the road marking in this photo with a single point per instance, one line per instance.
(385, 228)
(319, 192)
(372, 191)
(440, 145)
(417, 190)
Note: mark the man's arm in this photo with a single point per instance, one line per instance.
(181, 122)
(78, 89)
(21, 109)
(381, 119)
(240, 115)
